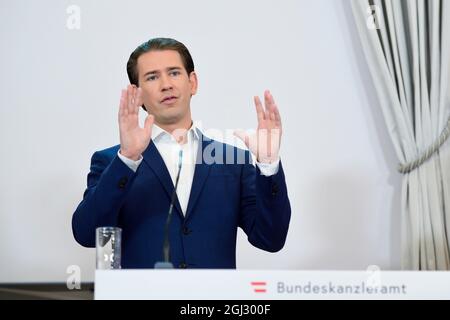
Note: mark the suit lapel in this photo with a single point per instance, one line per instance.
(154, 160)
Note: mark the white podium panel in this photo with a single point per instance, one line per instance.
(273, 285)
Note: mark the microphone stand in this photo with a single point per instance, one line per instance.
(166, 264)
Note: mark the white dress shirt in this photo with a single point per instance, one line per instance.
(169, 149)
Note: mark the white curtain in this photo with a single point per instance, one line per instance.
(406, 44)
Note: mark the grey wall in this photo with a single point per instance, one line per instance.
(60, 89)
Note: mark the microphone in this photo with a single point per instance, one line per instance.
(166, 264)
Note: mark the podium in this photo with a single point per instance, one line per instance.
(201, 284)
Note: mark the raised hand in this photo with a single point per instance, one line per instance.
(265, 143)
(133, 139)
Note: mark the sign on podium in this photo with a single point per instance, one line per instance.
(201, 284)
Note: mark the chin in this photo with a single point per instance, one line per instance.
(171, 119)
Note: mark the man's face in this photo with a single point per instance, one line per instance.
(166, 86)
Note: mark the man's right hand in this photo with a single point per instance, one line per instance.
(133, 139)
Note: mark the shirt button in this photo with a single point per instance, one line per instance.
(186, 231)
(182, 265)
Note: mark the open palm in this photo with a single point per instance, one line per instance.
(133, 139)
(264, 144)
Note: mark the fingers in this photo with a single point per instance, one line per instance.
(139, 100)
(132, 99)
(272, 116)
(129, 98)
(269, 110)
(259, 109)
(123, 110)
(130, 102)
(270, 105)
(149, 123)
(272, 109)
(243, 136)
(277, 116)
(267, 104)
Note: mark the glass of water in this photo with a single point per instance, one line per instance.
(108, 247)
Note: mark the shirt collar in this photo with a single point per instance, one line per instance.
(158, 132)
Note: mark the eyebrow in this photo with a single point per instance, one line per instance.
(157, 71)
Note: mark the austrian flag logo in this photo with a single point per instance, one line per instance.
(259, 286)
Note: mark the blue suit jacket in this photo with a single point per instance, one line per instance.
(224, 196)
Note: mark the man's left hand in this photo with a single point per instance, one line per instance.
(265, 143)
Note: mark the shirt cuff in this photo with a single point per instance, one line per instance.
(269, 169)
(133, 165)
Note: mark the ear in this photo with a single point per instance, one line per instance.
(194, 82)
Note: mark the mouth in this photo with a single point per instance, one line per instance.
(169, 100)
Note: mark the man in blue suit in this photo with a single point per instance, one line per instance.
(218, 188)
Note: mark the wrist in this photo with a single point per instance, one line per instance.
(267, 160)
(130, 155)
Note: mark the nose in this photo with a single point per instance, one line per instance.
(165, 83)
